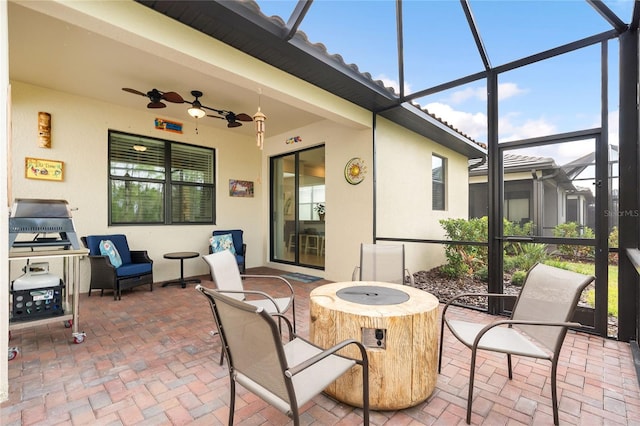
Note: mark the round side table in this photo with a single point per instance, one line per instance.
(181, 256)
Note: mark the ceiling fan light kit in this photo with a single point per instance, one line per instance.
(196, 110)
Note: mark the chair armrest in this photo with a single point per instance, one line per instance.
(140, 256)
(280, 316)
(411, 281)
(275, 277)
(101, 264)
(253, 292)
(364, 361)
(355, 274)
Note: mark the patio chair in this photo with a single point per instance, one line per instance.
(239, 246)
(226, 275)
(537, 326)
(384, 263)
(116, 267)
(287, 375)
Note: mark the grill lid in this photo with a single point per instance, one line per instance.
(30, 207)
(38, 216)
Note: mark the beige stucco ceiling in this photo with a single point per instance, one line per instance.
(58, 47)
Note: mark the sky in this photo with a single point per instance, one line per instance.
(553, 96)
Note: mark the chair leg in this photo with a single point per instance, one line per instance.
(440, 351)
(554, 391)
(472, 371)
(293, 311)
(232, 399)
(365, 392)
(509, 366)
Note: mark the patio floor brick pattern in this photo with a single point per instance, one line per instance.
(150, 359)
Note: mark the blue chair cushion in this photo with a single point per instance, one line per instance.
(107, 248)
(118, 240)
(133, 269)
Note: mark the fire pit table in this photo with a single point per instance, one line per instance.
(398, 325)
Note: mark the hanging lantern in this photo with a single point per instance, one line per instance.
(259, 118)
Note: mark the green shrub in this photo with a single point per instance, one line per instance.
(512, 228)
(573, 230)
(465, 259)
(518, 278)
(482, 274)
(531, 253)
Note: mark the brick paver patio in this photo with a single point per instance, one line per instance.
(150, 359)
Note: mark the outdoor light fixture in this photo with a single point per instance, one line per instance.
(196, 111)
(140, 148)
(259, 118)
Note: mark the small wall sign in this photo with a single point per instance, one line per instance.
(168, 125)
(240, 188)
(38, 168)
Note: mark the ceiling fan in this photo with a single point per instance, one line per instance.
(197, 111)
(156, 96)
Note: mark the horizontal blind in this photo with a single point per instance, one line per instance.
(191, 164)
(124, 160)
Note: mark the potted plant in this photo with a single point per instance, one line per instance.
(319, 208)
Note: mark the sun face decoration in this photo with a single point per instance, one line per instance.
(355, 171)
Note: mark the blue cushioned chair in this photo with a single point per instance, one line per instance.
(136, 268)
(238, 244)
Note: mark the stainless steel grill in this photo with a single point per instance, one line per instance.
(39, 217)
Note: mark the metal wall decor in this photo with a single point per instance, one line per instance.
(355, 171)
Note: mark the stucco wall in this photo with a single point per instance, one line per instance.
(404, 208)
(79, 139)
(349, 217)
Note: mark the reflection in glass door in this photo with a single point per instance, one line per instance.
(298, 208)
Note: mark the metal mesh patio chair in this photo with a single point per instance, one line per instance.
(384, 263)
(225, 273)
(537, 327)
(287, 375)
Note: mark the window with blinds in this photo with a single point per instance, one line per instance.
(154, 181)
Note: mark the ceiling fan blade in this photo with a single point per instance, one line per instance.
(134, 91)
(234, 124)
(173, 97)
(156, 105)
(243, 117)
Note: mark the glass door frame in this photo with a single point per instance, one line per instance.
(273, 211)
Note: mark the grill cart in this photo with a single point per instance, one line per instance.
(39, 297)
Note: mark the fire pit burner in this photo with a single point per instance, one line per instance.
(372, 295)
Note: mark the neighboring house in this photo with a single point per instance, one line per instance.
(536, 190)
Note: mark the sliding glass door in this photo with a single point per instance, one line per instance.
(298, 208)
